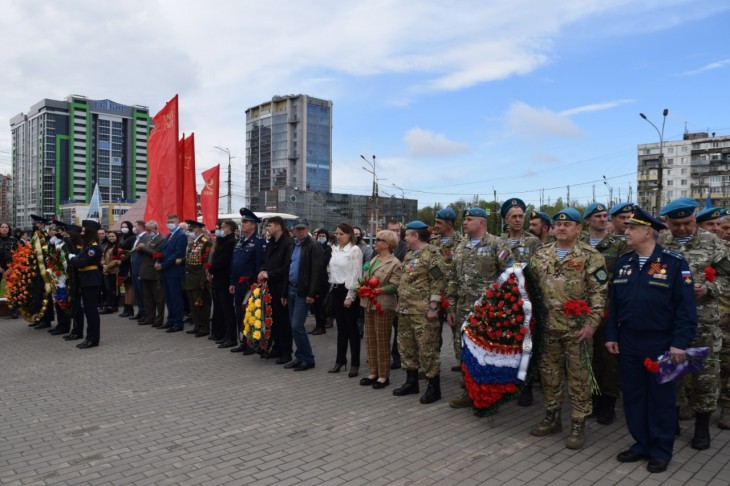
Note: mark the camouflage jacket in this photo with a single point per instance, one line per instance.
(580, 275)
(611, 247)
(474, 269)
(702, 251)
(725, 295)
(447, 249)
(524, 247)
(423, 280)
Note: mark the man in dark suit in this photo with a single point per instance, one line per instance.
(135, 261)
(220, 269)
(173, 274)
(152, 292)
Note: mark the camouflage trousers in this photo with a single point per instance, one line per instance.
(702, 388)
(605, 365)
(562, 352)
(725, 366)
(419, 344)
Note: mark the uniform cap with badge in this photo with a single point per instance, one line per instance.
(567, 214)
(709, 214)
(541, 215)
(248, 215)
(620, 208)
(641, 217)
(446, 214)
(679, 208)
(91, 225)
(192, 224)
(39, 219)
(475, 213)
(593, 209)
(511, 203)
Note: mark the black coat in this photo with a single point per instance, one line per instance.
(311, 268)
(220, 261)
(276, 263)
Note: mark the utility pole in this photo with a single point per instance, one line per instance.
(567, 202)
(230, 201)
(374, 211)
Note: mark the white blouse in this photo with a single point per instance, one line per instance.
(345, 267)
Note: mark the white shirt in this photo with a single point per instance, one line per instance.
(345, 267)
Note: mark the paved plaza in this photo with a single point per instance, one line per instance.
(150, 408)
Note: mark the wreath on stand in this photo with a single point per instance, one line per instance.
(501, 341)
(257, 319)
(29, 284)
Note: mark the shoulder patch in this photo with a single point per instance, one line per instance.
(601, 275)
(435, 272)
(673, 253)
(91, 252)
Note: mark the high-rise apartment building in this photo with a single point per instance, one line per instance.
(5, 198)
(698, 167)
(62, 149)
(288, 144)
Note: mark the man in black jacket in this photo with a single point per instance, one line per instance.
(220, 269)
(303, 284)
(274, 269)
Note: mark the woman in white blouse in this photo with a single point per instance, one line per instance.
(345, 270)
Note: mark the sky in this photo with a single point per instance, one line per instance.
(455, 99)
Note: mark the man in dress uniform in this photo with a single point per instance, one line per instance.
(522, 243)
(651, 311)
(605, 364)
(540, 224)
(703, 251)
(196, 283)
(567, 270)
(478, 260)
(619, 214)
(248, 256)
(87, 263)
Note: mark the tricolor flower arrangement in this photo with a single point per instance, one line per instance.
(57, 268)
(28, 284)
(497, 353)
(257, 319)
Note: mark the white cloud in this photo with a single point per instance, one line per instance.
(607, 105)
(537, 123)
(424, 143)
(707, 67)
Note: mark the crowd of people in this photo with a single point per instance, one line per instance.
(653, 285)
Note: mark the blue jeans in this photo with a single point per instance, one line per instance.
(298, 309)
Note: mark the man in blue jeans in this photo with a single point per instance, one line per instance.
(302, 286)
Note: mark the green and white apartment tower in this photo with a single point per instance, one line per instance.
(62, 149)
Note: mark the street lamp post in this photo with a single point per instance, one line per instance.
(228, 152)
(374, 212)
(660, 169)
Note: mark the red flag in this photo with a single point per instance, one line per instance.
(189, 193)
(163, 179)
(209, 196)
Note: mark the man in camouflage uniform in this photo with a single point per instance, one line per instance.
(540, 224)
(419, 300)
(702, 250)
(724, 422)
(478, 260)
(196, 283)
(605, 364)
(521, 243)
(567, 270)
(619, 214)
(446, 239)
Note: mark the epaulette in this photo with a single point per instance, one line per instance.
(672, 253)
(204, 239)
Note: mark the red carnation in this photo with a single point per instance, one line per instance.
(519, 337)
(243, 279)
(651, 366)
(156, 255)
(207, 265)
(267, 298)
(495, 285)
(710, 274)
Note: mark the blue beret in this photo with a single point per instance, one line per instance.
(709, 214)
(446, 213)
(593, 209)
(511, 203)
(543, 216)
(624, 207)
(641, 217)
(416, 225)
(725, 212)
(248, 215)
(475, 212)
(679, 208)
(567, 214)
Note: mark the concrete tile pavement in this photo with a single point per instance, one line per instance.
(148, 407)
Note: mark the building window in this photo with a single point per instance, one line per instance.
(670, 150)
(670, 182)
(683, 182)
(669, 171)
(685, 149)
(670, 161)
(683, 171)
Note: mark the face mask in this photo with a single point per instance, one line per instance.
(220, 233)
(322, 239)
(171, 226)
(135, 230)
(125, 230)
(54, 241)
(191, 234)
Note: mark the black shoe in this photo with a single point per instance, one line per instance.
(73, 337)
(378, 385)
(456, 368)
(137, 316)
(336, 368)
(143, 322)
(157, 326)
(193, 331)
(220, 341)
(630, 456)
(57, 332)
(317, 331)
(201, 334)
(292, 364)
(304, 367)
(227, 344)
(43, 325)
(165, 326)
(87, 344)
(395, 365)
(248, 352)
(106, 310)
(367, 381)
(701, 439)
(126, 313)
(656, 465)
(174, 329)
(238, 349)
(283, 359)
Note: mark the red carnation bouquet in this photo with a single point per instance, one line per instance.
(368, 289)
(578, 310)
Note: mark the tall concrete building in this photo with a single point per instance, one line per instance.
(698, 166)
(5, 198)
(62, 149)
(288, 144)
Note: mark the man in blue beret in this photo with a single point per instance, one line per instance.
(446, 238)
(703, 251)
(605, 364)
(652, 310)
(709, 220)
(724, 305)
(540, 226)
(567, 270)
(619, 214)
(522, 244)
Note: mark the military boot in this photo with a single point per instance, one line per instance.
(577, 435)
(433, 392)
(410, 386)
(607, 410)
(724, 422)
(462, 402)
(549, 425)
(701, 439)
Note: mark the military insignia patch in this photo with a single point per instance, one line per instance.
(601, 275)
(436, 272)
(92, 253)
(687, 276)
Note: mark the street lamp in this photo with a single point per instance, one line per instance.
(660, 170)
(228, 152)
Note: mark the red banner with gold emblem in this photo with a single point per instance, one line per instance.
(163, 180)
(209, 196)
(189, 192)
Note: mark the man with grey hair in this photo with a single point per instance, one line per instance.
(152, 294)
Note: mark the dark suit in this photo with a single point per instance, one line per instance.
(90, 282)
(276, 266)
(174, 247)
(152, 293)
(220, 269)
